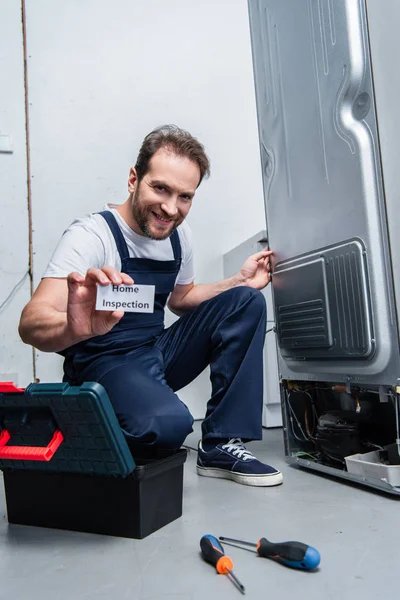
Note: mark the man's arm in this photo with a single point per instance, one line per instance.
(62, 311)
(255, 273)
(43, 322)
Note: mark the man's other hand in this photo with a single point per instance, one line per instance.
(256, 271)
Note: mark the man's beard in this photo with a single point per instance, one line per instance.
(142, 216)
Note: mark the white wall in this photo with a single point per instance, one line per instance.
(101, 76)
(15, 358)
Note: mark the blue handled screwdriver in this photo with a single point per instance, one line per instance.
(214, 554)
(292, 554)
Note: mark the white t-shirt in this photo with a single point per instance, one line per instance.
(89, 243)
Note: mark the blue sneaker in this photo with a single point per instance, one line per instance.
(232, 460)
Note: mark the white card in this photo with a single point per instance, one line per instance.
(129, 298)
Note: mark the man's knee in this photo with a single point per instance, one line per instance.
(163, 429)
(249, 298)
(173, 429)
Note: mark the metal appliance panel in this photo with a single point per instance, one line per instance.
(383, 29)
(321, 170)
(330, 317)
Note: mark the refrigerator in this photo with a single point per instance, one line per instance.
(327, 88)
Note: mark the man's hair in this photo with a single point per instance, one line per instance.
(176, 140)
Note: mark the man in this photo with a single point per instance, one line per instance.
(141, 364)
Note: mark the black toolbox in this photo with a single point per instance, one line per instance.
(90, 482)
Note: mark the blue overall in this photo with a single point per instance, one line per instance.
(141, 364)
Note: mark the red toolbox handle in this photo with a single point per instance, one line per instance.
(29, 452)
(9, 386)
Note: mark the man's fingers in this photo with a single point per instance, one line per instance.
(113, 275)
(126, 279)
(115, 316)
(74, 282)
(258, 255)
(262, 254)
(94, 276)
(265, 263)
(75, 278)
(116, 277)
(103, 276)
(108, 275)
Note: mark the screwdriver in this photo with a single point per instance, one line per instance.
(213, 553)
(292, 554)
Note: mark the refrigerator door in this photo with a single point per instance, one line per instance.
(326, 216)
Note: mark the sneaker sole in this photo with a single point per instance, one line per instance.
(254, 480)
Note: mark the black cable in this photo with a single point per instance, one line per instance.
(16, 286)
(190, 448)
(305, 438)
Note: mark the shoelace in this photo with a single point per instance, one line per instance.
(236, 447)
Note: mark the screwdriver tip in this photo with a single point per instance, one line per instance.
(237, 582)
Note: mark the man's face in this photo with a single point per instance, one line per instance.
(163, 198)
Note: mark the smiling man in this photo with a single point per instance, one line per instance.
(140, 363)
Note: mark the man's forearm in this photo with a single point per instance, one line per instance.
(205, 291)
(45, 328)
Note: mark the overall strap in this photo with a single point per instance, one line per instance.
(176, 244)
(120, 240)
(117, 233)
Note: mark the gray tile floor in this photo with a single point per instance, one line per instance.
(355, 530)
